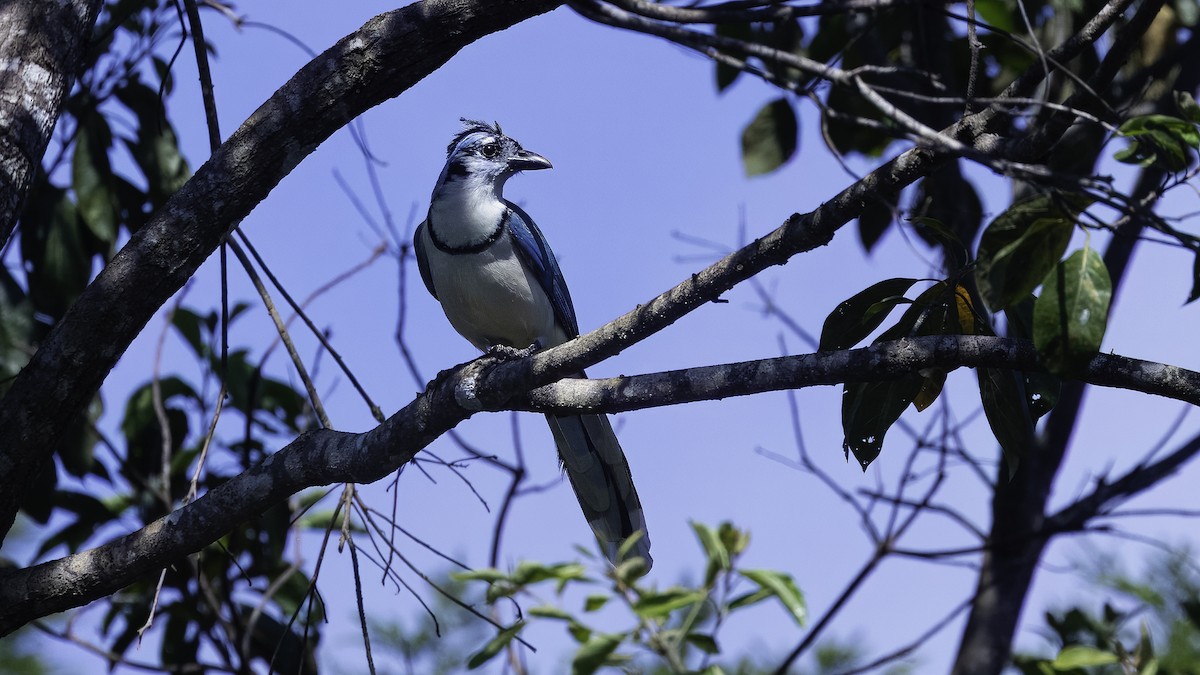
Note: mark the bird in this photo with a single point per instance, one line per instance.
(497, 280)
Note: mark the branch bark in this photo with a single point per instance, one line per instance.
(385, 57)
(41, 46)
(325, 456)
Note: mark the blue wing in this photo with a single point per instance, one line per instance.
(422, 262)
(531, 246)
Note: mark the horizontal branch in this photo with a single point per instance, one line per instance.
(884, 361)
(324, 456)
(385, 57)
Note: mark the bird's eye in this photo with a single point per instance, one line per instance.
(490, 150)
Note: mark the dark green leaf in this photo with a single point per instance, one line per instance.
(1004, 405)
(705, 643)
(997, 13)
(733, 539)
(934, 230)
(1161, 139)
(52, 246)
(93, 181)
(770, 139)
(595, 653)
(594, 602)
(874, 220)
(494, 646)
(1021, 246)
(1070, 317)
(869, 409)
(726, 74)
(1195, 280)
(931, 386)
(855, 318)
(749, 599)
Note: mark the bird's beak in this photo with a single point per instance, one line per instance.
(528, 161)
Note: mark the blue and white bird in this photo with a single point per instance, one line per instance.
(499, 284)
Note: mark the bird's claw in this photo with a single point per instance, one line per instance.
(507, 353)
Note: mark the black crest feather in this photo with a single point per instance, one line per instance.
(471, 127)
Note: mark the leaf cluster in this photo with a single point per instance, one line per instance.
(676, 626)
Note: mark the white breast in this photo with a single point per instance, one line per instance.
(489, 297)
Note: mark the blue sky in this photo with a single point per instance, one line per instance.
(643, 148)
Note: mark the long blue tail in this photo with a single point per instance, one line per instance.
(599, 473)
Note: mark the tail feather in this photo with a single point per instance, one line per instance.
(599, 474)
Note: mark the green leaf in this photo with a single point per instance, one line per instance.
(659, 605)
(1161, 139)
(726, 74)
(1195, 280)
(93, 180)
(594, 602)
(714, 550)
(869, 409)
(873, 221)
(770, 139)
(749, 599)
(156, 149)
(997, 13)
(704, 642)
(488, 574)
(1186, 104)
(494, 646)
(551, 612)
(734, 539)
(1021, 246)
(783, 587)
(595, 653)
(934, 230)
(529, 572)
(855, 318)
(932, 381)
(52, 245)
(1069, 318)
(1082, 656)
(1007, 412)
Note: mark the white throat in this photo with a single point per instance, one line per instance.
(465, 212)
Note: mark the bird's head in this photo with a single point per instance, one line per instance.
(481, 152)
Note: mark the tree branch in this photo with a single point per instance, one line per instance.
(324, 456)
(385, 57)
(884, 361)
(41, 47)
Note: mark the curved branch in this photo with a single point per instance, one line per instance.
(385, 57)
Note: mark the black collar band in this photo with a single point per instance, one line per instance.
(475, 247)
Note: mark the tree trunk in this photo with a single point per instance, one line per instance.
(41, 45)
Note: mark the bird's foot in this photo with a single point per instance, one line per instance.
(466, 391)
(505, 352)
